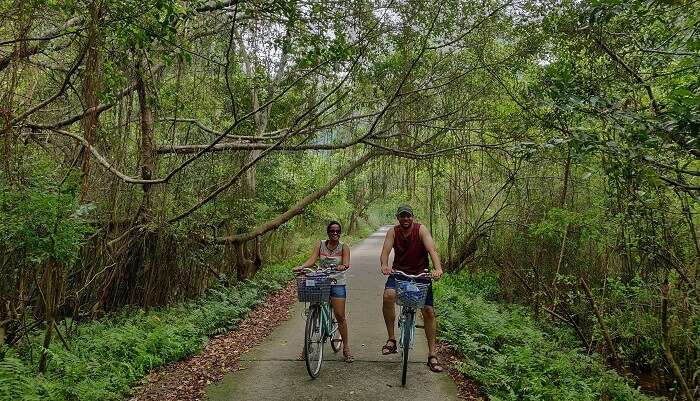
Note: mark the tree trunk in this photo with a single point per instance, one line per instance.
(7, 100)
(565, 183)
(601, 322)
(90, 92)
(432, 198)
(665, 342)
(145, 243)
(148, 148)
(51, 292)
(7, 116)
(245, 266)
(47, 341)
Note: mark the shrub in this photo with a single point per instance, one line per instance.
(515, 357)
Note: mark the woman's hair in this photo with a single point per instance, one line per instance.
(333, 223)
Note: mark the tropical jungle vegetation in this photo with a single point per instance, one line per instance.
(156, 154)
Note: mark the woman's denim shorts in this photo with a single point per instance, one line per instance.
(338, 291)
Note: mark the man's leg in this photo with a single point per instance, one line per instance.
(389, 311)
(430, 328)
(430, 324)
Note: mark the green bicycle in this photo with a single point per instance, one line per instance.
(411, 291)
(314, 287)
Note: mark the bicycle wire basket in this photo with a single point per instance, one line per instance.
(314, 288)
(411, 294)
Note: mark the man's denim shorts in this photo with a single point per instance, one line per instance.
(391, 283)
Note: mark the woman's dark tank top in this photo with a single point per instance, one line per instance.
(410, 255)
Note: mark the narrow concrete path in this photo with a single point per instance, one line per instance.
(270, 371)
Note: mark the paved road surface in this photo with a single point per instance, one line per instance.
(271, 371)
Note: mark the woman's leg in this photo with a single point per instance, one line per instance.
(339, 312)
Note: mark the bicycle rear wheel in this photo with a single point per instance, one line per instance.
(406, 333)
(313, 341)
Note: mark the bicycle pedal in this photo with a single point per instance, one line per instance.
(420, 326)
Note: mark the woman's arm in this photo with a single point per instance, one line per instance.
(313, 258)
(346, 257)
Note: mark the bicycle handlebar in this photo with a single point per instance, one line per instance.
(425, 274)
(328, 270)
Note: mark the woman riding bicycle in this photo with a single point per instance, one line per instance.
(334, 252)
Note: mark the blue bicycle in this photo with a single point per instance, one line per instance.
(410, 296)
(314, 287)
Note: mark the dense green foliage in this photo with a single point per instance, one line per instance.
(152, 150)
(108, 356)
(515, 357)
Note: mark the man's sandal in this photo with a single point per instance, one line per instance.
(389, 349)
(434, 364)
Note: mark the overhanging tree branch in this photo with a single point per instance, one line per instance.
(298, 208)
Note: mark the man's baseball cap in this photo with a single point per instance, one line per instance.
(404, 208)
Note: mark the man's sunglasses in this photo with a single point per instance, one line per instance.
(333, 231)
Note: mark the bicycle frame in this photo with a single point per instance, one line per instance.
(407, 316)
(407, 323)
(321, 327)
(327, 329)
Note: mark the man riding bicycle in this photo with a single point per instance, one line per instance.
(412, 243)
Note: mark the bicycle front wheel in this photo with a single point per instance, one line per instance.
(406, 333)
(313, 341)
(336, 339)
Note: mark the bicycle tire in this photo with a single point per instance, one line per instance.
(313, 341)
(408, 325)
(336, 339)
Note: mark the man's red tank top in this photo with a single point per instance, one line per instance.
(410, 255)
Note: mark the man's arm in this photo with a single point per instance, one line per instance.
(430, 247)
(386, 249)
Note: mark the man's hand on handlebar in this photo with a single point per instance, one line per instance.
(385, 269)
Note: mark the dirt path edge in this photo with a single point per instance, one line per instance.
(185, 380)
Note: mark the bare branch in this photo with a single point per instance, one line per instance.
(61, 90)
(100, 159)
(24, 52)
(472, 28)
